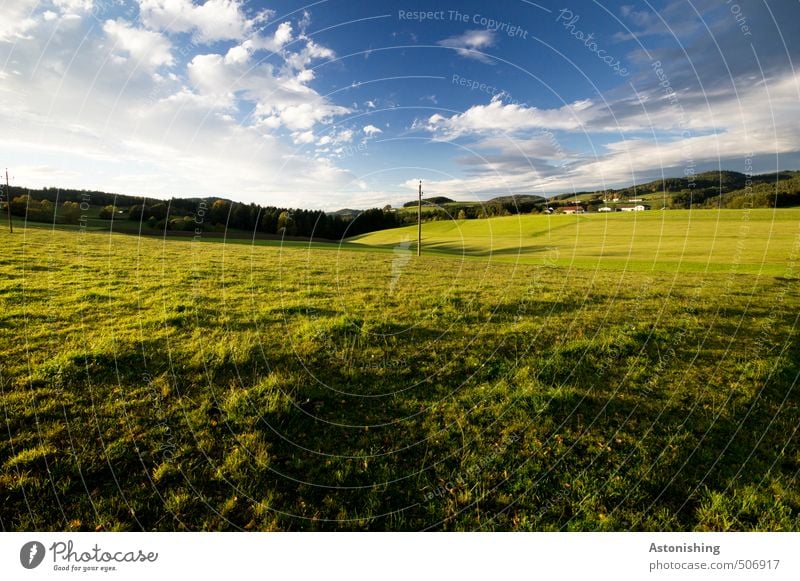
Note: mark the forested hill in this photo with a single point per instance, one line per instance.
(187, 215)
(722, 189)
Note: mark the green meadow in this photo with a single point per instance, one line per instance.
(597, 372)
(744, 241)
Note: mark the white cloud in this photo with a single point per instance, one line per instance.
(74, 6)
(472, 44)
(336, 136)
(17, 20)
(672, 19)
(208, 22)
(311, 51)
(305, 76)
(306, 115)
(238, 54)
(371, 130)
(282, 36)
(517, 148)
(303, 138)
(241, 53)
(149, 48)
(280, 95)
(498, 117)
(92, 106)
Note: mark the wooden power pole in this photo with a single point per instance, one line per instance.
(419, 221)
(8, 205)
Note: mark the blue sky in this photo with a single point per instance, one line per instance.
(348, 103)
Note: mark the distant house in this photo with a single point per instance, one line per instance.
(573, 210)
(639, 208)
(605, 209)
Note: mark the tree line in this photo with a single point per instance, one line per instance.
(199, 215)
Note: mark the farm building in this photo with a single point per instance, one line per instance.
(573, 210)
(638, 208)
(605, 209)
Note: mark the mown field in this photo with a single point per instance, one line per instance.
(633, 372)
(741, 241)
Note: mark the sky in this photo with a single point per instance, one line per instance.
(349, 103)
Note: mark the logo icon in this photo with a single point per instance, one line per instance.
(31, 554)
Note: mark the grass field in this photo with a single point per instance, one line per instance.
(754, 241)
(526, 373)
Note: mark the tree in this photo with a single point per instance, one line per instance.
(46, 208)
(269, 220)
(71, 212)
(158, 211)
(283, 220)
(219, 212)
(19, 205)
(137, 212)
(107, 212)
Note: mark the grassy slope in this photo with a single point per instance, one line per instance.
(177, 385)
(730, 240)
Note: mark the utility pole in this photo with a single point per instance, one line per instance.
(8, 205)
(419, 221)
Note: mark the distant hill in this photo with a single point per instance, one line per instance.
(345, 213)
(520, 199)
(724, 189)
(434, 201)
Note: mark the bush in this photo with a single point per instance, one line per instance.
(70, 212)
(107, 212)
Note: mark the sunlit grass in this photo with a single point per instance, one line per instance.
(179, 385)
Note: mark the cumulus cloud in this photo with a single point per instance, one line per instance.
(74, 5)
(17, 20)
(472, 44)
(241, 53)
(210, 21)
(371, 130)
(499, 117)
(519, 148)
(114, 106)
(149, 48)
